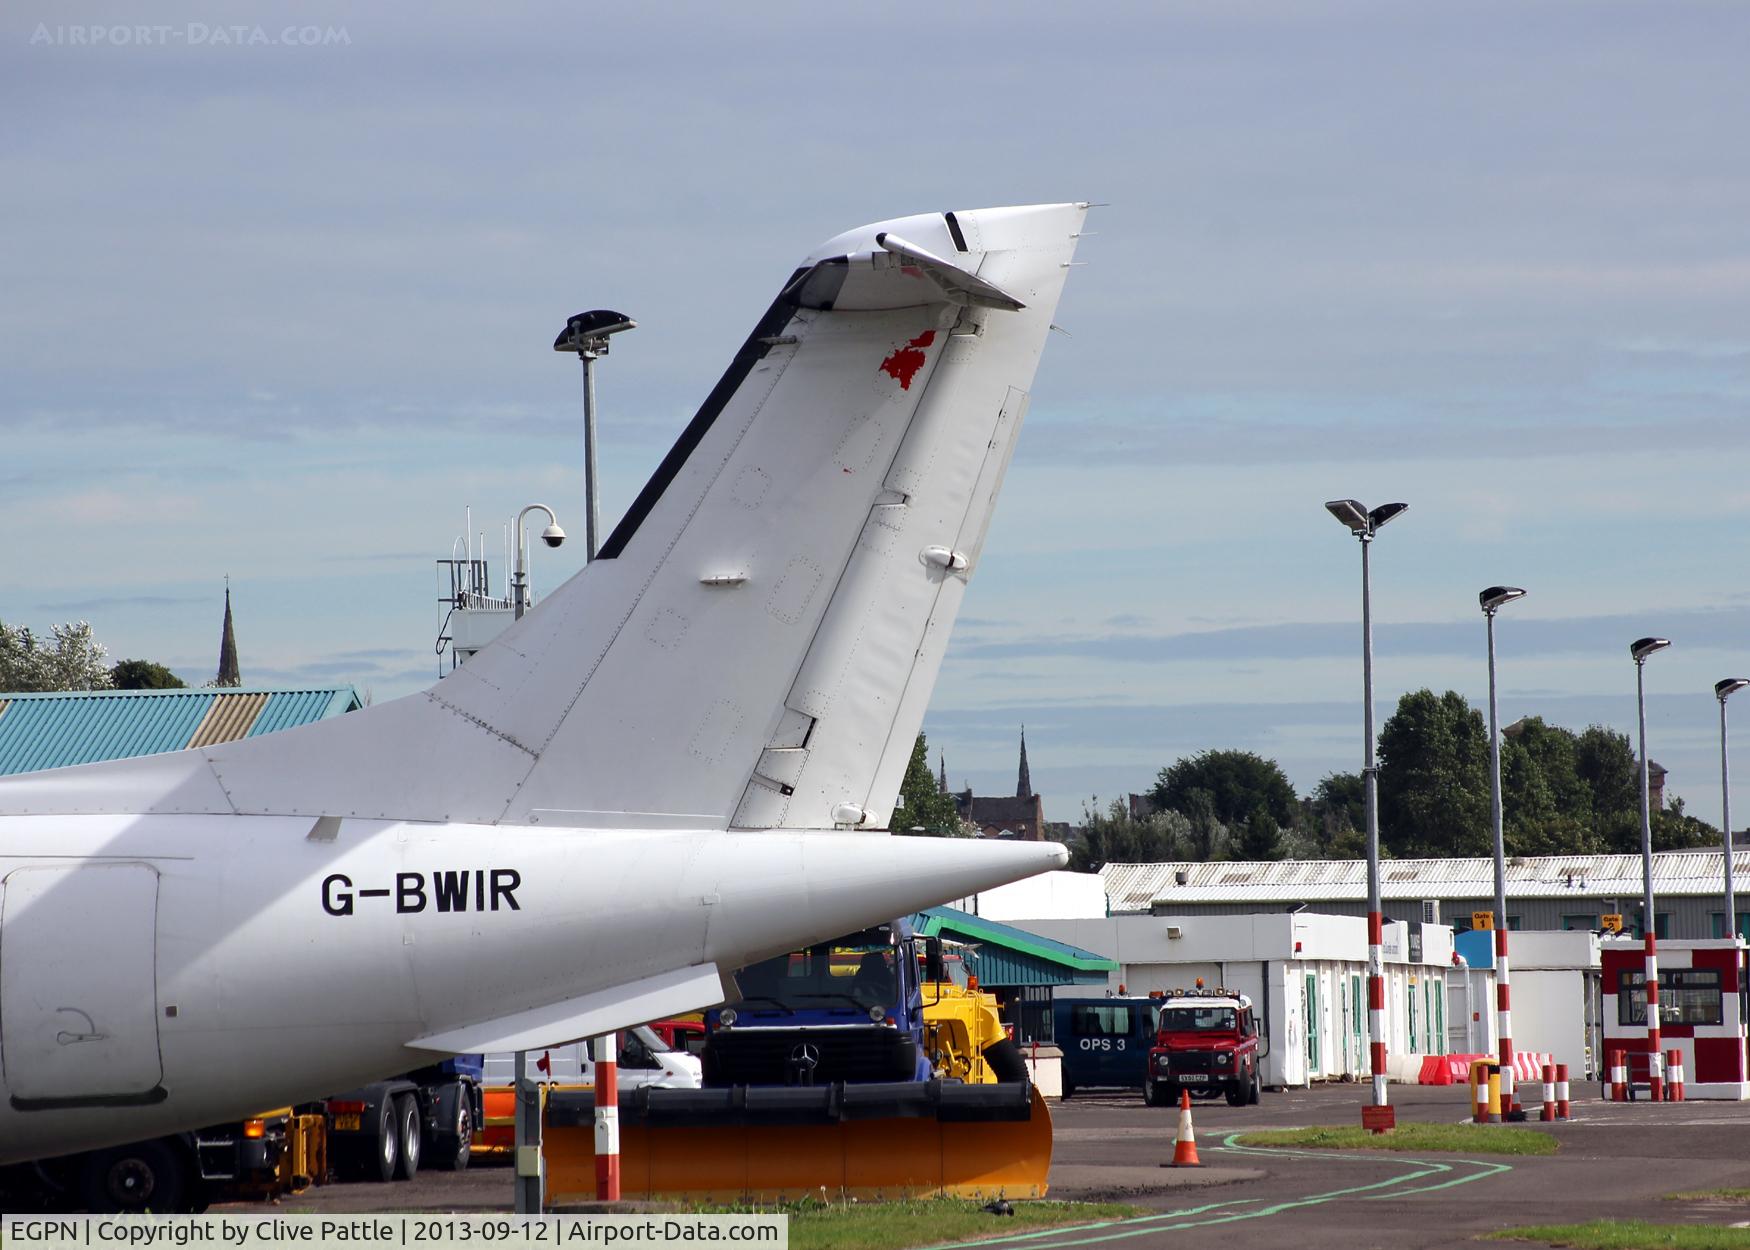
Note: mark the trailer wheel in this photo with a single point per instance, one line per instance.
(146, 1176)
(407, 1137)
(1069, 1089)
(1004, 1060)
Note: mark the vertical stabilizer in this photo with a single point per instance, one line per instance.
(756, 644)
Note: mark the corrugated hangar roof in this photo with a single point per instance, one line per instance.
(1138, 887)
(84, 727)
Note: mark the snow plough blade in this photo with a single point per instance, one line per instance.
(864, 1141)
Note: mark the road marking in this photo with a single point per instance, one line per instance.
(1141, 1226)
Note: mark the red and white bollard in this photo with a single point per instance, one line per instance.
(1549, 1093)
(607, 1119)
(1618, 1076)
(1564, 1110)
(1674, 1075)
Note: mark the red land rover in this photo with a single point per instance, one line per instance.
(1207, 1042)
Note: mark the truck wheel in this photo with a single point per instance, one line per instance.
(407, 1130)
(1256, 1092)
(1004, 1060)
(385, 1146)
(1069, 1089)
(146, 1176)
(1236, 1094)
(1155, 1094)
(456, 1159)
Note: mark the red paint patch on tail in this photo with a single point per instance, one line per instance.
(902, 366)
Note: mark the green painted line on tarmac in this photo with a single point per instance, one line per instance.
(1140, 1226)
(1020, 1238)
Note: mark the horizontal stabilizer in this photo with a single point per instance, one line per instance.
(592, 1015)
(894, 274)
(957, 284)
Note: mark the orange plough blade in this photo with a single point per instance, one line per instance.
(866, 1158)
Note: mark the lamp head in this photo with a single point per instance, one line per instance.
(1495, 596)
(588, 331)
(1350, 513)
(553, 535)
(1641, 648)
(1729, 685)
(1385, 512)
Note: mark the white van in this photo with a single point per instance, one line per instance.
(644, 1059)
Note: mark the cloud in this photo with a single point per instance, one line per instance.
(107, 602)
(1724, 627)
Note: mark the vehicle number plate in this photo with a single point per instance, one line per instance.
(346, 1123)
(1193, 1076)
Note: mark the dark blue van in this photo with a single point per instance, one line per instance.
(1104, 1041)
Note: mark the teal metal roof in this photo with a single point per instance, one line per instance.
(84, 727)
(1010, 956)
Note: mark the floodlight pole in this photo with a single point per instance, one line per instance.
(591, 501)
(1722, 690)
(1370, 805)
(1364, 525)
(1640, 650)
(588, 335)
(1491, 600)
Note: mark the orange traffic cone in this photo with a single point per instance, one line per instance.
(1185, 1146)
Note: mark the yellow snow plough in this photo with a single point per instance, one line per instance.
(863, 1066)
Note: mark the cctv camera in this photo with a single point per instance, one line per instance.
(553, 535)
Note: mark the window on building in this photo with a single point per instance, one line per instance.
(1514, 922)
(1686, 996)
(1586, 920)
(1661, 925)
(1717, 924)
(1095, 1020)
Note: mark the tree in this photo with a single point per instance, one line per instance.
(1608, 767)
(1434, 778)
(1113, 836)
(1262, 837)
(74, 661)
(1237, 784)
(923, 805)
(1334, 819)
(144, 675)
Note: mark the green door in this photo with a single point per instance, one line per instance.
(1358, 1024)
(1411, 995)
(1312, 1025)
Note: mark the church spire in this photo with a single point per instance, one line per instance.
(942, 775)
(228, 672)
(1024, 786)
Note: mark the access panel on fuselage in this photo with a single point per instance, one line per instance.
(78, 997)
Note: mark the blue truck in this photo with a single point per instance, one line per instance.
(849, 1009)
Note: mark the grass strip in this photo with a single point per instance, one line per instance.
(1631, 1235)
(922, 1221)
(1486, 1139)
(1704, 1195)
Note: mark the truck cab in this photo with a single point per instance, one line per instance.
(1206, 1042)
(849, 1009)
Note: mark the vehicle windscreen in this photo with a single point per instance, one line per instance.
(1198, 1020)
(856, 972)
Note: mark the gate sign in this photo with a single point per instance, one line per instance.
(1482, 920)
(1611, 923)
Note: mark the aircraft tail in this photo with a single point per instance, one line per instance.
(756, 643)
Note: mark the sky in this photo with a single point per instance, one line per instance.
(281, 282)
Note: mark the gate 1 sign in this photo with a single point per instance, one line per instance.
(1482, 920)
